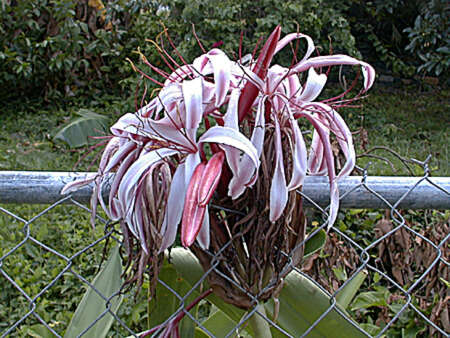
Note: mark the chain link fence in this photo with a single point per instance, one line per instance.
(49, 256)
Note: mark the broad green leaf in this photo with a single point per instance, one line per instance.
(92, 306)
(219, 324)
(345, 296)
(189, 267)
(166, 303)
(77, 132)
(315, 243)
(301, 303)
(369, 299)
(371, 328)
(199, 333)
(39, 331)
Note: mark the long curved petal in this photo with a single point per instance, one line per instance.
(244, 172)
(193, 213)
(290, 37)
(314, 85)
(174, 208)
(211, 178)
(231, 137)
(278, 189)
(335, 60)
(203, 237)
(222, 71)
(192, 94)
(134, 174)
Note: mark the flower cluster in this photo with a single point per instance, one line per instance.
(204, 134)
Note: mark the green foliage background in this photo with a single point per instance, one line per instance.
(62, 48)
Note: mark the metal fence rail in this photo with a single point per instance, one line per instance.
(393, 194)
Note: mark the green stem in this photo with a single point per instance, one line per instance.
(259, 325)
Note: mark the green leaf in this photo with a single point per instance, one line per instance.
(369, 299)
(315, 243)
(165, 303)
(39, 331)
(92, 306)
(340, 273)
(301, 302)
(345, 296)
(77, 132)
(219, 324)
(371, 329)
(446, 283)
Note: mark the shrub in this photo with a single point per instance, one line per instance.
(430, 38)
(56, 47)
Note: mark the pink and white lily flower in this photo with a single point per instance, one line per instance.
(205, 103)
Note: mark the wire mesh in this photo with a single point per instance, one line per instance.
(50, 255)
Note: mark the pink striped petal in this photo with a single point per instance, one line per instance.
(179, 74)
(124, 166)
(290, 37)
(119, 155)
(336, 60)
(211, 178)
(328, 157)
(193, 213)
(134, 174)
(299, 156)
(315, 154)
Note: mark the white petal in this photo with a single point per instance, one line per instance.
(203, 237)
(165, 130)
(174, 208)
(294, 85)
(231, 137)
(190, 163)
(299, 157)
(290, 37)
(246, 170)
(222, 73)
(75, 185)
(334, 203)
(278, 189)
(231, 117)
(192, 94)
(314, 85)
(134, 174)
(128, 124)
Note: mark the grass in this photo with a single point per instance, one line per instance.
(414, 124)
(411, 122)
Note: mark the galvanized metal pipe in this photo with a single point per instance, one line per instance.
(34, 187)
